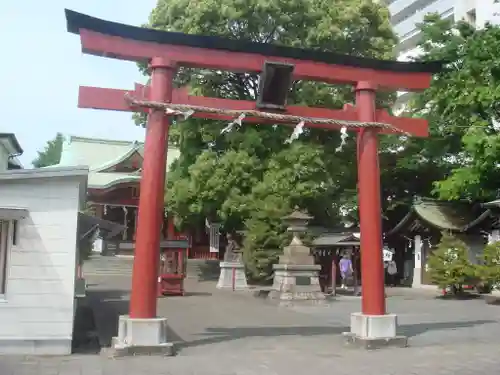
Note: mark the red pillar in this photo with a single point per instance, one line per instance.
(372, 266)
(147, 250)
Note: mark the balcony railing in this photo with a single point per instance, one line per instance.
(403, 9)
(409, 26)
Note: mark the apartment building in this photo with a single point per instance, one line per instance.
(407, 14)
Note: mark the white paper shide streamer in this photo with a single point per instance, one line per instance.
(231, 125)
(343, 138)
(184, 114)
(299, 129)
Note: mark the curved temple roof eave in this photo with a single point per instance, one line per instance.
(122, 180)
(78, 21)
(17, 150)
(133, 149)
(460, 229)
(402, 223)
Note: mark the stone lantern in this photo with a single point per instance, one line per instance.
(296, 252)
(296, 276)
(297, 224)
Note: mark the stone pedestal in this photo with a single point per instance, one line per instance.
(374, 332)
(296, 277)
(296, 282)
(141, 337)
(227, 270)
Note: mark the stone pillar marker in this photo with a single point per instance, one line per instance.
(232, 270)
(296, 276)
(417, 270)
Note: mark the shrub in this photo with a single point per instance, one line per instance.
(449, 264)
(488, 271)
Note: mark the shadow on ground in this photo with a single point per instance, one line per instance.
(192, 294)
(218, 335)
(96, 320)
(98, 316)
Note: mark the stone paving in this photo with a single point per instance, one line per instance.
(224, 332)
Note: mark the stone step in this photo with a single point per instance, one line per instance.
(203, 270)
(111, 265)
(103, 265)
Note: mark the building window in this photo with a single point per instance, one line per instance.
(4, 249)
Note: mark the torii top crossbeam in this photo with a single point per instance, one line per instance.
(110, 39)
(165, 51)
(114, 40)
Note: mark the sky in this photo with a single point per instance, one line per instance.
(42, 67)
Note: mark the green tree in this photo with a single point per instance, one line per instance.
(462, 107)
(449, 264)
(51, 155)
(489, 267)
(233, 177)
(306, 184)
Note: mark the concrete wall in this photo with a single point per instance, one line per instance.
(36, 313)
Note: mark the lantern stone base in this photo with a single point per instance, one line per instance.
(228, 270)
(374, 332)
(141, 337)
(295, 282)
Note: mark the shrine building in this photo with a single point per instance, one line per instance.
(113, 191)
(415, 236)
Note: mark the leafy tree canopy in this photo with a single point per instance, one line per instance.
(462, 107)
(51, 155)
(250, 174)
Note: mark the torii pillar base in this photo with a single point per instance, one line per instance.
(141, 337)
(374, 332)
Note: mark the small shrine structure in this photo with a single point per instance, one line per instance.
(328, 248)
(113, 189)
(494, 209)
(279, 67)
(415, 235)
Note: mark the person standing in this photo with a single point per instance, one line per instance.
(392, 271)
(346, 270)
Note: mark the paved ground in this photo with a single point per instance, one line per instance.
(223, 333)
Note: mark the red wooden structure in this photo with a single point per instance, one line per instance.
(172, 270)
(166, 51)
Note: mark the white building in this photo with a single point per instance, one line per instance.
(407, 14)
(9, 151)
(41, 233)
(39, 220)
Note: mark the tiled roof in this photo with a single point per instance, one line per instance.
(457, 216)
(102, 154)
(337, 239)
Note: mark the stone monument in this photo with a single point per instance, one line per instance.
(232, 270)
(296, 276)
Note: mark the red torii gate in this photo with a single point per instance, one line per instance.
(165, 51)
